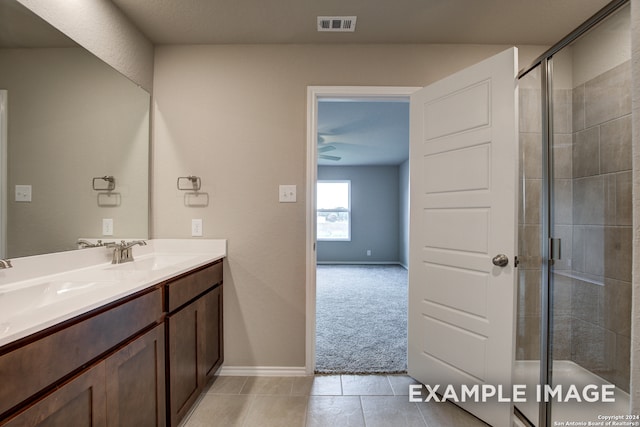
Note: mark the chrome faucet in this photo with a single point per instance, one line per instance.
(83, 244)
(5, 263)
(122, 251)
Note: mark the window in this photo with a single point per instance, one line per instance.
(334, 210)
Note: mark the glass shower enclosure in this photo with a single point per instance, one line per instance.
(575, 235)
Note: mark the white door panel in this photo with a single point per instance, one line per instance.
(463, 212)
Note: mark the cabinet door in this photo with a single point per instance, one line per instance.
(80, 402)
(135, 383)
(184, 380)
(211, 332)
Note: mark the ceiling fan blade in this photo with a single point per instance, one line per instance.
(326, 148)
(326, 157)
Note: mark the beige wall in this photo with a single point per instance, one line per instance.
(236, 116)
(72, 118)
(100, 27)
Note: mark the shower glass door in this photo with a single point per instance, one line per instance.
(527, 364)
(590, 178)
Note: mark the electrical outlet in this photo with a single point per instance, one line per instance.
(107, 226)
(368, 252)
(196, 227)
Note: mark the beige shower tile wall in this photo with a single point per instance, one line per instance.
(528, 326)
(601, 256)
(563, 207)
(592, 213)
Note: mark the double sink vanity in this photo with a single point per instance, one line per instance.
(87, 342)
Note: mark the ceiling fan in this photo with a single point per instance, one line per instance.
(324, 149)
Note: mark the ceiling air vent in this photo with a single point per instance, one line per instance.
(337, 23)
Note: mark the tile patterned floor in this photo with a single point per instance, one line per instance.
(333, 401)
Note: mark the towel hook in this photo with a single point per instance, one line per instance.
(196, 183)
(109, 179)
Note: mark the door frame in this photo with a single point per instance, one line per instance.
(314, 94)
(4, 95)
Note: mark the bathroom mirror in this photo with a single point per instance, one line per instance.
(69, 119)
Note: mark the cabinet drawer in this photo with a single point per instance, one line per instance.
(186, 288)
(35, 366)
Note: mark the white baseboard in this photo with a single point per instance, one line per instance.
(263, 371)
(358, 262)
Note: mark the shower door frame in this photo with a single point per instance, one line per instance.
(545, 61)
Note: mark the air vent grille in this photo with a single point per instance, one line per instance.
(337, 23)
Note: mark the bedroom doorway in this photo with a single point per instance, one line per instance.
(356, 306)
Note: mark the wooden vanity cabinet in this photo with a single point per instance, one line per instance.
(138, 362)
(82, 400)
(105, 369)
(135, 382)
(194, 335)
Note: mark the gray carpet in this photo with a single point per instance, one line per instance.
(361, 319)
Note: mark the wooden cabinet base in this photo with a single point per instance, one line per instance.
(132, 363)
(82, 400)
(135, 383)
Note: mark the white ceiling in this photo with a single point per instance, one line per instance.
(511, 22)
(363, 132)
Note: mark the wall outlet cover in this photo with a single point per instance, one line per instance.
(107, 226)
(196, 227)
(23, 193)
(287, 193)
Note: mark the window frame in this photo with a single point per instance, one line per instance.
(348, 210)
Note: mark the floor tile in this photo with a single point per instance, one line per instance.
(397, 411)
(343, 411)
(366, 385)
(447, 414)
(400, 384)
(327, 385)
(318, 401)
(302, 386)
(227, 385)
(277, 411)
(281, 386)
(220, 410)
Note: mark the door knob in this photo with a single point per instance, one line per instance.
(501, 260)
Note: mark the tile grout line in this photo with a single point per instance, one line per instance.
(364, 419)
(248, 411)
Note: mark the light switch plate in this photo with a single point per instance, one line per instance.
(287, 194)
(23, 193)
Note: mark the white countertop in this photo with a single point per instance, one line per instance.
(44, 290)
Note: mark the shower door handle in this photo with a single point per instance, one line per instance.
(500, 260)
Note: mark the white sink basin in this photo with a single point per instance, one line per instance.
(20, 299)
(151, 263)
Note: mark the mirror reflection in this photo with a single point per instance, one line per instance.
(70, 118)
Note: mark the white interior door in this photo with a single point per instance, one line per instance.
(463, 177)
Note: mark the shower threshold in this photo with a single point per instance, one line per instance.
(568, 373)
